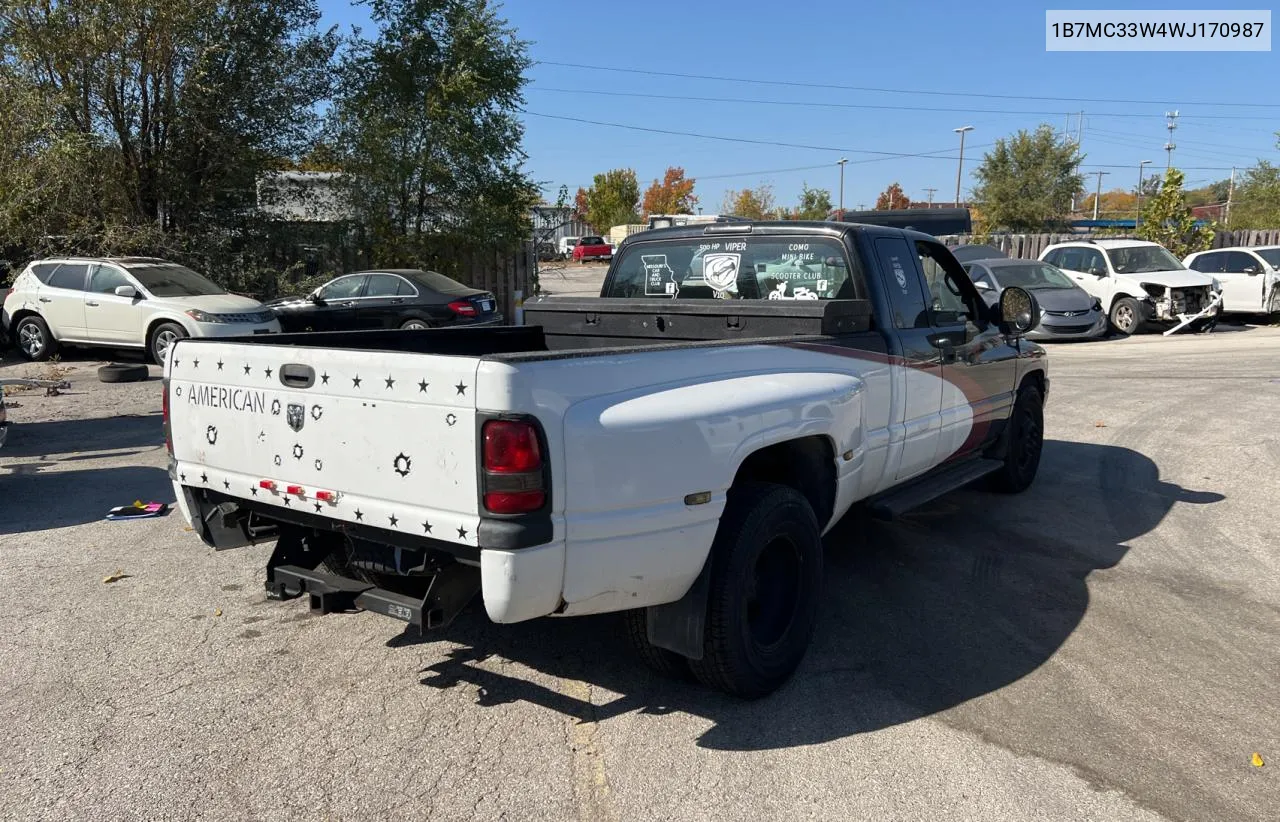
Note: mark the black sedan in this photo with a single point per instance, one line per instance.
(388, 298)
(1067, 311)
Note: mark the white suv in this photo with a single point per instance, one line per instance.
(1139, 283)
(1250, 277)
(125, 302)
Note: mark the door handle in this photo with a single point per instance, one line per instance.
(89, 302)
(46, 299)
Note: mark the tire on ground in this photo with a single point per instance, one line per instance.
(1025, 442)
(123, 372)
(1119, 308)
(34, 325)
(766, 579)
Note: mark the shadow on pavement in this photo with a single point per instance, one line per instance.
(955, 601)
(37, 439)
(38, 500)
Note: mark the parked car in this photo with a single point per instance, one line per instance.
(1067, 311)
(1140, 284)
(407, 298)
(123, 302)
(592, 248)
(1250, 277)
(671, 457)
(565, 247)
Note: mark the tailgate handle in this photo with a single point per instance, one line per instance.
(297, 375)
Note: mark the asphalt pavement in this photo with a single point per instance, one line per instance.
(1105, 646)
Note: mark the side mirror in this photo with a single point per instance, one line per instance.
(315, 297)
(1098, 272)
(1019, 312)
(982, 285)
(126, 291)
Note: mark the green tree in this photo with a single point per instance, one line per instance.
(612, 199)
(425, 121)
(1027, 181)
(752, 203)
(1256, 200)
(892, 198)
(673, 195)
(815, 204)
(1167, 219)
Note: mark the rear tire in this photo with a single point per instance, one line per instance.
(165, 335)
(766, 578)
(660, 660)
(33, 338)
(414, 325)
(1126, 316)
(1025, 443)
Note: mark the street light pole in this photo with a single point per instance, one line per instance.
(960, 168)
(1138, 220)
(841, 163)
(1097, 194)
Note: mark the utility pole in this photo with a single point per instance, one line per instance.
(1231, 190)
(841, 163)
(1171, 124)
(1079, 139)
(1138, 219)
(1097, 195)
(960, 168)
(931, 190)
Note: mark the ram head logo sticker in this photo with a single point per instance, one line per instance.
(296, 416)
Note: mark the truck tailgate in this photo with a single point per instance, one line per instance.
(384, 439)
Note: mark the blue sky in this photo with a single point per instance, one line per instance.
(955, 50)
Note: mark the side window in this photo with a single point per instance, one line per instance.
(1205, 263)
(1091, 261)
(406, 289)
(902, 283)
(1070, 259)
(1054, 257)
(953, 295)
(1238, 261)
(382, 285)
(343, 288)
(106, 278)
(69, 275)
(43, 271)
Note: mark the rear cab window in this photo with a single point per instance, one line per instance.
(759, 267)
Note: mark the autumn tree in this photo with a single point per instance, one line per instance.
(1256, 200)
(752, 203)
(673, 195)
(1117, 202)
(892, 198)
(612, 199)
(1167, 219)
(1028, 181)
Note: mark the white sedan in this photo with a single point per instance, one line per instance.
(123, 302)
(1250, 277)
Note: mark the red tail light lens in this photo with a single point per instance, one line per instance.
(463, 308)
(511, 447)
(514, 502)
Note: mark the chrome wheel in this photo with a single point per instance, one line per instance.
(31, 339)
(164, 339)
(414, 325)
(1124, 317)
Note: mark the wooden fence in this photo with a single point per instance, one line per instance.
(1030, 246)
(503, 273)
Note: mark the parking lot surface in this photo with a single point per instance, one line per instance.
(1105, 646)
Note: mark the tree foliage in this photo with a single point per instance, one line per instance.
(815, 204)
(612, 199)
(1167, 219)
(752, 203)
(1115, 204)
(892, 198)
(1256, 200)
(424, 122)
(673, 195)
(1027, 181)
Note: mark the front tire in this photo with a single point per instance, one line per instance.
(34, 339)
(1126, 316)
(414, 325)
(165, 335)
(766, 578)
(1025, 443)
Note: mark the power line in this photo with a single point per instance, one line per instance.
(798, 84)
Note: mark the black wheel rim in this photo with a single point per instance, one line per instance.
(1029, 434)
(774, 592)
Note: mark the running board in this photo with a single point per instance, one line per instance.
(899, 501)
(450, 591)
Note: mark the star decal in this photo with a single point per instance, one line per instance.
(246, 369)
(253, 489)
(211, 434)
(319, 465)
(359, 515)
(204, 477)
(462, 532)
(268, 370)
(324, 378)
(220, 364)
(226, 484)
(390, 382)
(450, 420)
(355, 381)
(182, 477)
(278, 460)
(297, 451)
(286, 500)
(275, 408)
(316, 413)
(175, 362)
(393, 520)
(403, 464)
(462, 389)
(195, 364)
(318, 507)
(426, 528)
(422, 386)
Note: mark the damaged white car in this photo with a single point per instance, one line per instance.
(1142, 286)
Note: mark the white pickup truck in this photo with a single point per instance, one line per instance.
(674, 449)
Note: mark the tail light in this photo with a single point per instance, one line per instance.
(513, 467)
(463, 308)
(164, 405)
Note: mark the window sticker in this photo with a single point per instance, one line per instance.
(721, 270)
(801, 293)
(659, 279)
(899, 273)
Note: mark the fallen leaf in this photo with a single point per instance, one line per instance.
(217, 612)
(1257, 760)
(1099, 424)
(116, 577)
(188, 528)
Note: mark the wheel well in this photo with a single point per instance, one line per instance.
(156, 323)
(1035, 378)
(807, 465)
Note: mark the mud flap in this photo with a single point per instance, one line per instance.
(681, 625)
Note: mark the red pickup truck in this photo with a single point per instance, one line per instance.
(592, 248)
